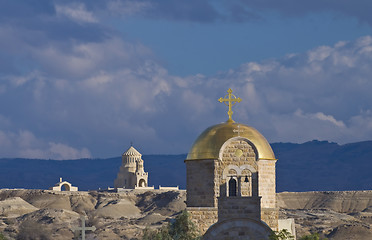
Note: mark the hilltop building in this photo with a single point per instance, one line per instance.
(131, 174)
(64, 186)
(231, 181)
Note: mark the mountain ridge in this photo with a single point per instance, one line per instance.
(310, 166)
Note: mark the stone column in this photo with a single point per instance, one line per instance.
(239, 186)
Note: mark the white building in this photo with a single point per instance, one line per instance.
(131, 174)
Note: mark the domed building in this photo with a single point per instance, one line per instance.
(131, 174)
(231, 181)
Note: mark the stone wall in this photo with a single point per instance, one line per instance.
(203, 217)
(237, 152)
(270, 216)
(200, 183)
(239, 207)
(266, 183)
(207, 188)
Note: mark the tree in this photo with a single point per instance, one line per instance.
(281, 235)
(182, 228)
(2, 237)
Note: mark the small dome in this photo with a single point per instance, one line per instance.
(209, 143)
(132, 152)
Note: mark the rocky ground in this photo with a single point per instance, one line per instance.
(124, 215)
(336, 215)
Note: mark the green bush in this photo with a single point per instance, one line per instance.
(281, 235)
(181, 229)
(2, 237)
(314, 236)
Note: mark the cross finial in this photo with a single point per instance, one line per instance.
(230, 100)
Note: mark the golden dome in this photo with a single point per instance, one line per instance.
(209, 143)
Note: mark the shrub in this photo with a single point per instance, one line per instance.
(314, 236)
(2, 237)
(182, 228)
(281, 235)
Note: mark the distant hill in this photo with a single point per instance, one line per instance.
(311, 166)
(323, 166)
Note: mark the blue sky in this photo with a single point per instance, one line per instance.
(86, 78)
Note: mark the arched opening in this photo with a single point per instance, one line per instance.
(142, 183)
(246, 184)
(232, 187)
(65, 187)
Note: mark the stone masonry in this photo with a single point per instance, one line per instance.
(231, 182)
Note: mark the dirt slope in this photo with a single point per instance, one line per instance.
(124, 215)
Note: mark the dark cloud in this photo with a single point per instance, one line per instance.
(207, 11)
(73, 85)
(174, 10)
(238, 13)
(323, 94)
(193, 10)
(359, 9)
(18, 11)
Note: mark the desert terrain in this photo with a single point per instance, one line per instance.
(124, 215)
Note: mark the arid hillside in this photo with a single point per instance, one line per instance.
(342, 215)
(124, 215)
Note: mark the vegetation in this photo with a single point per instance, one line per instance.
(281, 235)
(314, 236)
(2, 237)
(285, 235)
(182, 228)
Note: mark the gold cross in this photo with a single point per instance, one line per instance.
(229, 100)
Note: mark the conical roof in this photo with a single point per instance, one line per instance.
(132, 152)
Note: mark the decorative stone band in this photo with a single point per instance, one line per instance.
(238, 228)
(204, 159)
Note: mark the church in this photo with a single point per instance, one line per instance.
(231, 189)
(131, 174)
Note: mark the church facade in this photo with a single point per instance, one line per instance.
(231, 189)
(131, 174)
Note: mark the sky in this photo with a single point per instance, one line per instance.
(85, 79)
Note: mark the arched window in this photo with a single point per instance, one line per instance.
(142, 183)
(246, 184)
(232, 187)
(65, 187)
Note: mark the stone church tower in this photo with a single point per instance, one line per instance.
(231, 181)
(131, 174)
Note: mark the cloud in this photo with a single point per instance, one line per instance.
(128, 8)
(24, 144)
(208, 11)
(319, 94)
(329, 84)
(76, 12)
(320, 116)
(293, 8)
(69, 91)
(201, 11)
